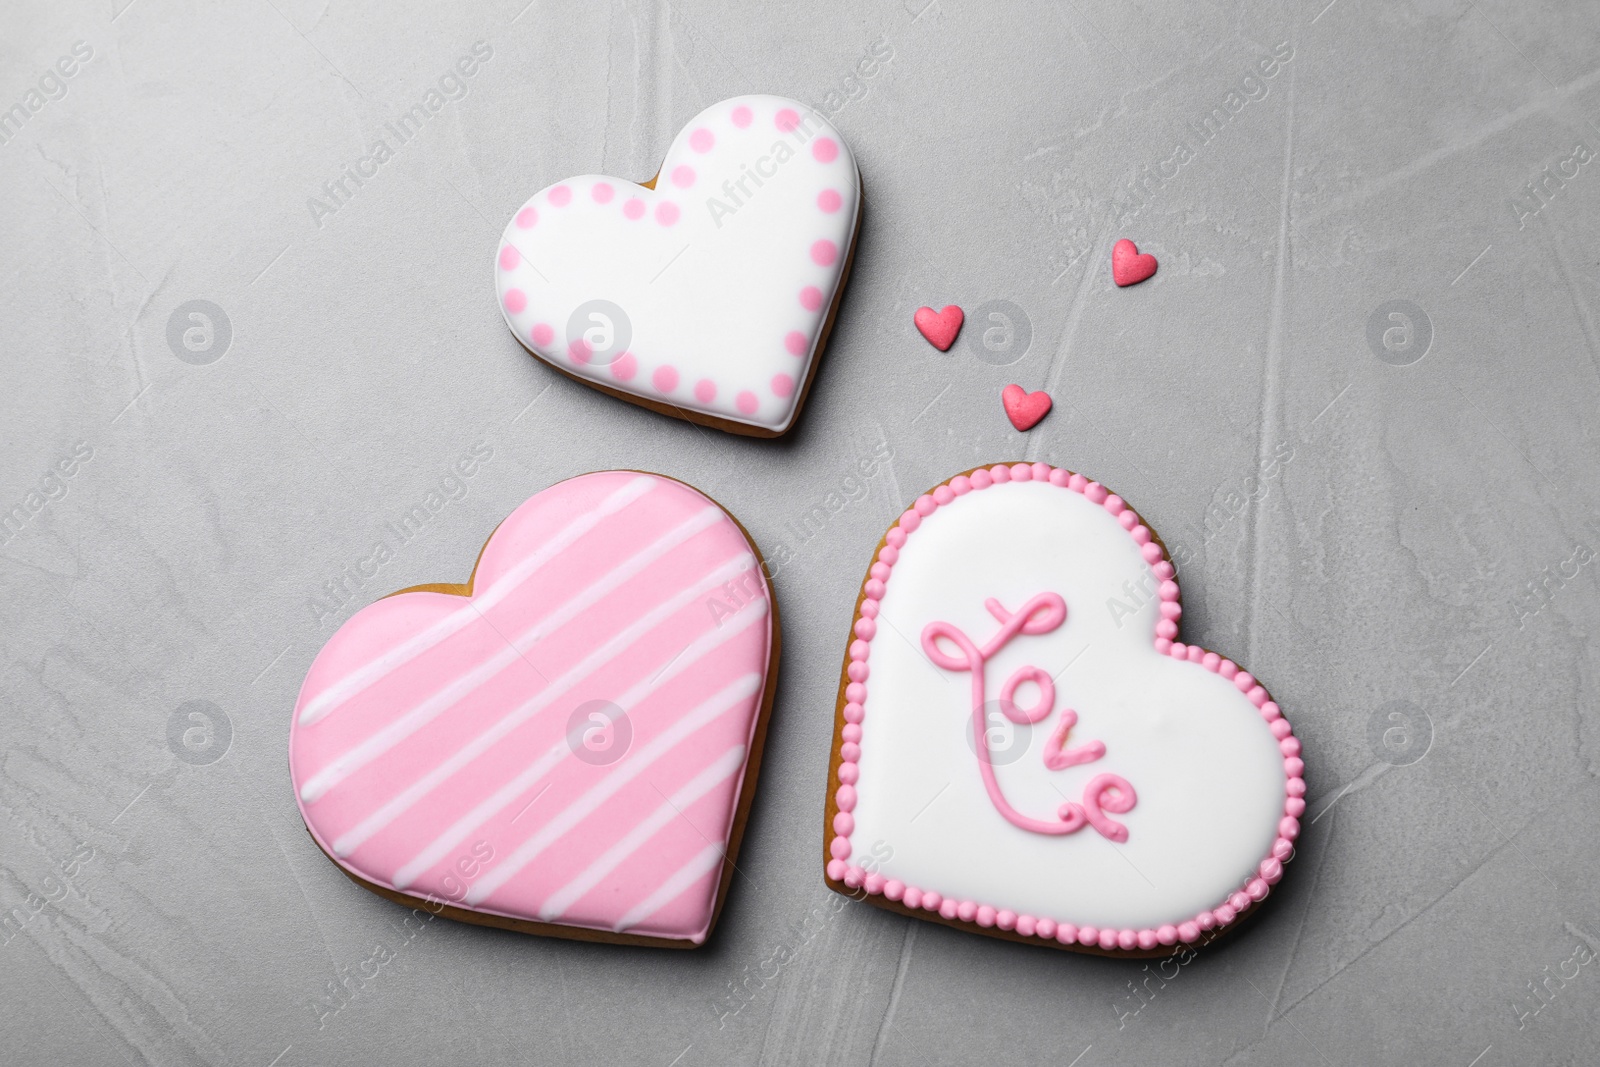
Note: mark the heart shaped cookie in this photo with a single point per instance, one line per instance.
(568, 743)
(1036, 755)
(707, 293)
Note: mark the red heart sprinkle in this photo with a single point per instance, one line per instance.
(1023, 408)
(1128, 265)
(940, 327)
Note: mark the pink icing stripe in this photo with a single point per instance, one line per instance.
(441, 772)
(672, 808)
(636, 762)
(464, 683)
(1105, 792)
(734, 695)
(680, 881)
(336, 692)
(619, 616)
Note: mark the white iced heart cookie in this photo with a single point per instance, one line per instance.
(1024, 748)
(707, 293)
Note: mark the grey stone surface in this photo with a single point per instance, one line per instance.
(1418, 556)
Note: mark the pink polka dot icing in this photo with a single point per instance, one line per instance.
(756, 208)
(409, 796)
(1242, 789)
(579, 350)
(542, 334)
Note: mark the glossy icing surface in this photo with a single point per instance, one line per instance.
(568, 744)
(1091, 711)
(716, 284)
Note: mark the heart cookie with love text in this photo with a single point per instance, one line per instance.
(708, 292)
(1041, 758)
(568, 743)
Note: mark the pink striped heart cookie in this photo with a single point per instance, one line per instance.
(568, 743)
(706, 293)
(1024, 746)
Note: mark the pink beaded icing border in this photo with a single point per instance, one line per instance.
(1255, 889)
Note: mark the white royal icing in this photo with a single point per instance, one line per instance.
(1207, 770)
(708, 292)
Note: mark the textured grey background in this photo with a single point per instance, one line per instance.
(1414, 583)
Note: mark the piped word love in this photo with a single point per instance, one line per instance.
(1040, 615)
